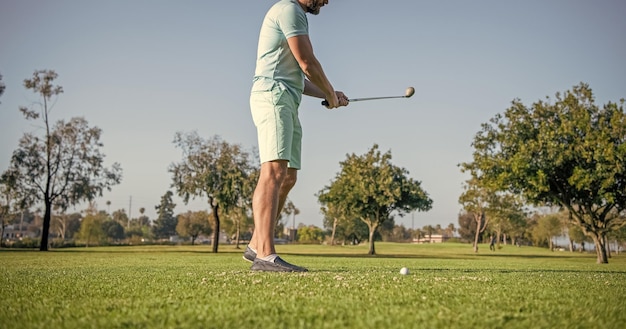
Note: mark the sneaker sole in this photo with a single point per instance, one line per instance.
(279, 265)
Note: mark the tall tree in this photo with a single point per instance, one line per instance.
(467, 228)
(567, 152)
(369, 187)
(143, 220)
(165, 223)
(63, 167)
(213, 169)
(475, 201)
(333, 218)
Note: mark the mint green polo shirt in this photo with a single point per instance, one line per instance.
(275, 61)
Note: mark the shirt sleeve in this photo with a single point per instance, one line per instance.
(292, 21)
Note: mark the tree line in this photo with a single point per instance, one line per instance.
(567, 154)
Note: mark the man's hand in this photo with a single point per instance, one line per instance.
(339, 99)
(343, 99)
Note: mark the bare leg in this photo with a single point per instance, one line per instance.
(272, 187)
(288, 184)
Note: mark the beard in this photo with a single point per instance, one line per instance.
(313, 7)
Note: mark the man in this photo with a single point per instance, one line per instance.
(492, 242)
(286, 68)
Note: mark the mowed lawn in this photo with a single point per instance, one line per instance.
(189, 287)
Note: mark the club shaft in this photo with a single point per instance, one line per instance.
(373, 98)
(325, 103)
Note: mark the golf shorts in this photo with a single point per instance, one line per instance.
(275, 115)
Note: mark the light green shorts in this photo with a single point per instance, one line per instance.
(275, 115)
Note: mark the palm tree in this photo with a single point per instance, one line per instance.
(142, 210)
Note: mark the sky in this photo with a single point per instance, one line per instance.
(142, 70)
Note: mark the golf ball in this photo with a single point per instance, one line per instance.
(404, 271)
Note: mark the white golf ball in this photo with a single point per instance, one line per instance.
(404, 271)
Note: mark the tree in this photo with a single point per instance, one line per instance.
(449, 230)
(505, 211)
(428, 231)
(143, 220)
(475, 201)
(343, 226)
(576, 235)
(620, 239)
(467, 228)
(290, 209)
(235, 220)
(332, 217)
(548, 226)
(63, 167)
(91, 227)
(567, 152)
(192, 224)
(371, 188)
(310, 234)
(215, 169)
(65, 225)
(165, 224)
(516, 226)
(113, 230)
(121, 217)
(399, 233)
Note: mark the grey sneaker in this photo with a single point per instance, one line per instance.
(249, 255)
(278, 265)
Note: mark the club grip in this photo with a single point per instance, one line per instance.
(325, 102)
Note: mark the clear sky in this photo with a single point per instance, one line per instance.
(143, 70)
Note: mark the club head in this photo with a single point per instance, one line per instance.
(409, 92)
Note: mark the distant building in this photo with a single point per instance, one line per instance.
(433, 238)
(290, 234)
(12, 232)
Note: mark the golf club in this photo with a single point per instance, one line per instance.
(409, 92)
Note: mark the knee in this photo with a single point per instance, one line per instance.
(273, 173)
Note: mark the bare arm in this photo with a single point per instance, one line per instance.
(317, 84)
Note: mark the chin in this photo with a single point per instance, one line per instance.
(314, 9)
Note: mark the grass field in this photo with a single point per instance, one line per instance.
(189, 287)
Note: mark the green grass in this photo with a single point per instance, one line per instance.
(189, 287)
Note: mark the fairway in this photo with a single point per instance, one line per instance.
(189, 287)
